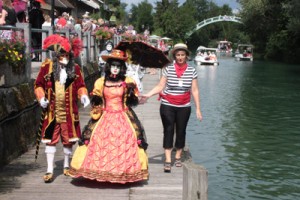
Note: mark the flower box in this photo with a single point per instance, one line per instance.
(103, 33)
(13, 60)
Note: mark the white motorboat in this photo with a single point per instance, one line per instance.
(206, 56)
(224, 47)
(154, 40)
(244, 52)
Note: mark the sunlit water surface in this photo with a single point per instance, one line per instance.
(249, 139)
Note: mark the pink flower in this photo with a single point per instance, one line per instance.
(139, 142)
(86, 142)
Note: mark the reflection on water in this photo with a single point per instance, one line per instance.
(249, 139)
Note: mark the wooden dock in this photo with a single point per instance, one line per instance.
(22, 178)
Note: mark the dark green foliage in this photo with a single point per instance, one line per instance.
(273, 27)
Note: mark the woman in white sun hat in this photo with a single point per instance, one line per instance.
(175, 88)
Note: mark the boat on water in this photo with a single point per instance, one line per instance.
(224, 46)
(206, 56)
(154, 40)
(244, 52)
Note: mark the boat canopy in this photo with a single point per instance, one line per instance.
(202, 48)
(154, 37)
(224, 42)
(166, 38)
(248, 47)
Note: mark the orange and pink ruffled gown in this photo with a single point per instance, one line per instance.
(113, 154)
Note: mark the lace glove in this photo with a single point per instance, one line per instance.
(85, 100)
(44, 102)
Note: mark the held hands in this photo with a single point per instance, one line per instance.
(44, 102)
(85, 100)
(143, 99)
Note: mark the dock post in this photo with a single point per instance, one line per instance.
(195, 182)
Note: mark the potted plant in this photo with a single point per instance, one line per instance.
(12, 53)
(103, 33)
(133, 37)
(13, 60)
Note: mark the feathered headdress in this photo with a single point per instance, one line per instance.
(76, 46)
(57, 43)
(60, 44)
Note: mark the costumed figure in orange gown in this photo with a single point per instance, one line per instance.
(58, 86)
(113, 146)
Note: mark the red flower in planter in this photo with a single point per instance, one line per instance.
(12, 50)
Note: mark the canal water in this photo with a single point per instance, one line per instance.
(249, 139)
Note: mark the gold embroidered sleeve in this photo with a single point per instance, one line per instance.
(98, 87)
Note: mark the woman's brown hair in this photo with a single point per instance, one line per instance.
(7, 3)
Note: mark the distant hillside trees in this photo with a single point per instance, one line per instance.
(273, 27)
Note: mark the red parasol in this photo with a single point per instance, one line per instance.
(144, 54)
(41, 1)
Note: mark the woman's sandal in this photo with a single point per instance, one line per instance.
(67, 171)
(178, 162)
(48, 177)
(167, 167)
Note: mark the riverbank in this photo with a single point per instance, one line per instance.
(22, 178)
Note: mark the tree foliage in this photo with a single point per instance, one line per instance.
(165, 16)
(142, 16)
(172, 20)
(273, 27)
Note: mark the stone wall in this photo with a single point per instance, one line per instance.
(11, 76)
(19, 116)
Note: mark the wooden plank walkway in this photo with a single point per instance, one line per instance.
(22, 178)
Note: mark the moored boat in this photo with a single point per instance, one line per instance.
(244, 52)
(224, 47)
(206, 56)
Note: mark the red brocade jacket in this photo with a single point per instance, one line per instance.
(74, 88)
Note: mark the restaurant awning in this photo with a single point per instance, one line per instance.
(45, 6)
(91, 3)
(60, 3)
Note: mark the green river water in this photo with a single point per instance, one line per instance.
(249, 139)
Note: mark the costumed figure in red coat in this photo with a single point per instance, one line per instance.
(58, 86)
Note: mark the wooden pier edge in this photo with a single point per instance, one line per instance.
(195, 180)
